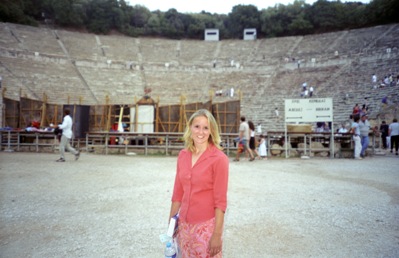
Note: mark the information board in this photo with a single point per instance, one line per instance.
(309, 110)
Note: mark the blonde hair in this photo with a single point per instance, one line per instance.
(214, 137)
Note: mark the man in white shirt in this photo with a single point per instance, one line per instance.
(374, 79)
(342, 129)
(66, 127)
(243, 138)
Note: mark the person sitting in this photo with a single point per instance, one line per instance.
(386, 81)
(384, 101)
(342, 129)
(326, 128)
(356, 109)
(319, 127)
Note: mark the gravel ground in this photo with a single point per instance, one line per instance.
(117, 205)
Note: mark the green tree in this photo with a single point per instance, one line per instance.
(153, 26)
(327, 16)
(64, 12)
(172, 25)
(272, 21)
(242, 17)
(198, 24)
(354, 14)
(299, 18)
(298, 21)
(382, 12)
(16, 11)
(300, 26)
(104, 15)
(138, 16)
(33, 8)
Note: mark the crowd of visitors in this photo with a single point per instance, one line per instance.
(248, 142)
(361, 130)
(388, 80)
(306, 92)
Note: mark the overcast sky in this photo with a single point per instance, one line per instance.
(212, 6)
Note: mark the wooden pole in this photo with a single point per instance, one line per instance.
(109, 118)
(44, 111)
(157, 115)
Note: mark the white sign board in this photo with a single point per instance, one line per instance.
(309, 110)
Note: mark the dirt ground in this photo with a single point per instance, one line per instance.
(118, 205)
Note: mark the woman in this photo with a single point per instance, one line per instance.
(252, 143)
(356, 137)
(200, 189)
(356, 109)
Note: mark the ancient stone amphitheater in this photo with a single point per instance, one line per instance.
(80, 68)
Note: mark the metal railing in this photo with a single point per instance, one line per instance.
(146, 143)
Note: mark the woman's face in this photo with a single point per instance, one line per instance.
(200, 130)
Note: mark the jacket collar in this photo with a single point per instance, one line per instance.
(209, 152)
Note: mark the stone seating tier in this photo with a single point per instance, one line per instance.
(159, 50)
(120, 85)
(310, 45)
(265, 79)
(81, 45)
(120, 48)
(30, 38)
(204, 52)
(36, 78)
(6, 38)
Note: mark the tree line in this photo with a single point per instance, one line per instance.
(104, 16)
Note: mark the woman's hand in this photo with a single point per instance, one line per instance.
(215, 244)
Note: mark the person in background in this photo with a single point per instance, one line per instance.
(305, 93)
(259, 129)
(342, 129)
(243, 138)
(384, 101)
(393, 132)
(374, 80)
(200, 188)
(276, 112)
(263, 147)
(326, 128)
(319, 127)
(252, 139)
(356, 137)
(363, 111)
(366, 104)
(356, 110)
(384, 128)
(364, 127)
(66, 127)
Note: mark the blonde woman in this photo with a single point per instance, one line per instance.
(200, 188)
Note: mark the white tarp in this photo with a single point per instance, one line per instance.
(145, 119)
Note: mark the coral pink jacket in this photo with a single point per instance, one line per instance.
(201, 188)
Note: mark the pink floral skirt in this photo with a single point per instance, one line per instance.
(193, 239)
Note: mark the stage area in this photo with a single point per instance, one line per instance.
(117, 205)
